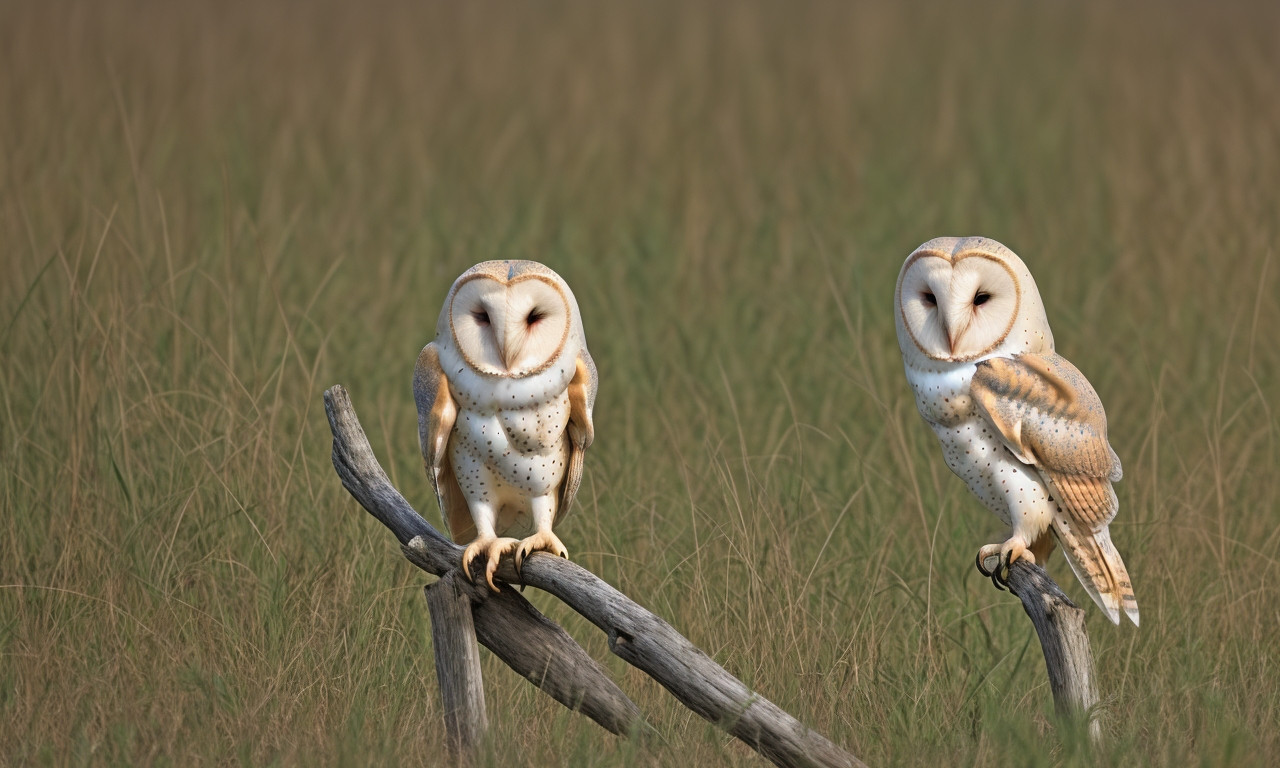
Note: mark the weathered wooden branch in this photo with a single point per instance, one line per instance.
(453, 635)
(635, 635)
(1060, 626)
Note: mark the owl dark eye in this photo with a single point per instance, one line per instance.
(534, 316)
(482, 317)
(981, 299)
(929, 299)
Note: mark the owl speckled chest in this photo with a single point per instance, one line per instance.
(509, 441)
(975, 452)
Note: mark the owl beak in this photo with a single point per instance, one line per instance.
(510, 354)
(511, 342)
(955, 327)
(503, 336)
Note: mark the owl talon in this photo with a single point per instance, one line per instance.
(489, 571)
(1006, 554)
(542, 541)
(493, 550)
(1001, 581)
(985, 554)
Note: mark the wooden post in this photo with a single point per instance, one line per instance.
(453, 636)
(1067, 655)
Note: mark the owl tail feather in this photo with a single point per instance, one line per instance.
(1098, 566)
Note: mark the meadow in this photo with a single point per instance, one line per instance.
(211, 212)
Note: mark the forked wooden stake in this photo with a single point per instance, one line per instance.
(544, 654)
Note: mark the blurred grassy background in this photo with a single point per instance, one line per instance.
(210, 212)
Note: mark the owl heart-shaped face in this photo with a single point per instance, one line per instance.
(958, 307)
(509, 328)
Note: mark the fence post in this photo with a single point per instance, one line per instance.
(453, 636)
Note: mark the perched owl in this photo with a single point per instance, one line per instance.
(504, 398)
(1018, 423)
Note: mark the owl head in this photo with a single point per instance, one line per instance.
(510, 319)
(964, 298)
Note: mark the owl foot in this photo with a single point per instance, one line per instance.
(493, 549)
(544, 541)
(1006, 554)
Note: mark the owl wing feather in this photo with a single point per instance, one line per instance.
(436, 414)
(1050, 417)
(582, 398)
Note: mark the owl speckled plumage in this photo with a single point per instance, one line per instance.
(1017, 422)
(504, 395)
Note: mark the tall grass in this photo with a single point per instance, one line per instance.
(211, 212)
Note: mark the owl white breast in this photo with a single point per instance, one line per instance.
(509, 437)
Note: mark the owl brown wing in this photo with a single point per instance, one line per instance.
(1048, 415)
(436, 414)
(582, 398)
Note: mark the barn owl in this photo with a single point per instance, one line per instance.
(1017, 422)
(504, 396)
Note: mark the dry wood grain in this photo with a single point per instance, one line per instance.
(1060, 626)
(453, 638)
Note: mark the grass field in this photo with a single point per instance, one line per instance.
(210, 212)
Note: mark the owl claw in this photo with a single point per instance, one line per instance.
(542, 541)
(1001, 581)
(1006, 554)
(493, 549)
(984, 554)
